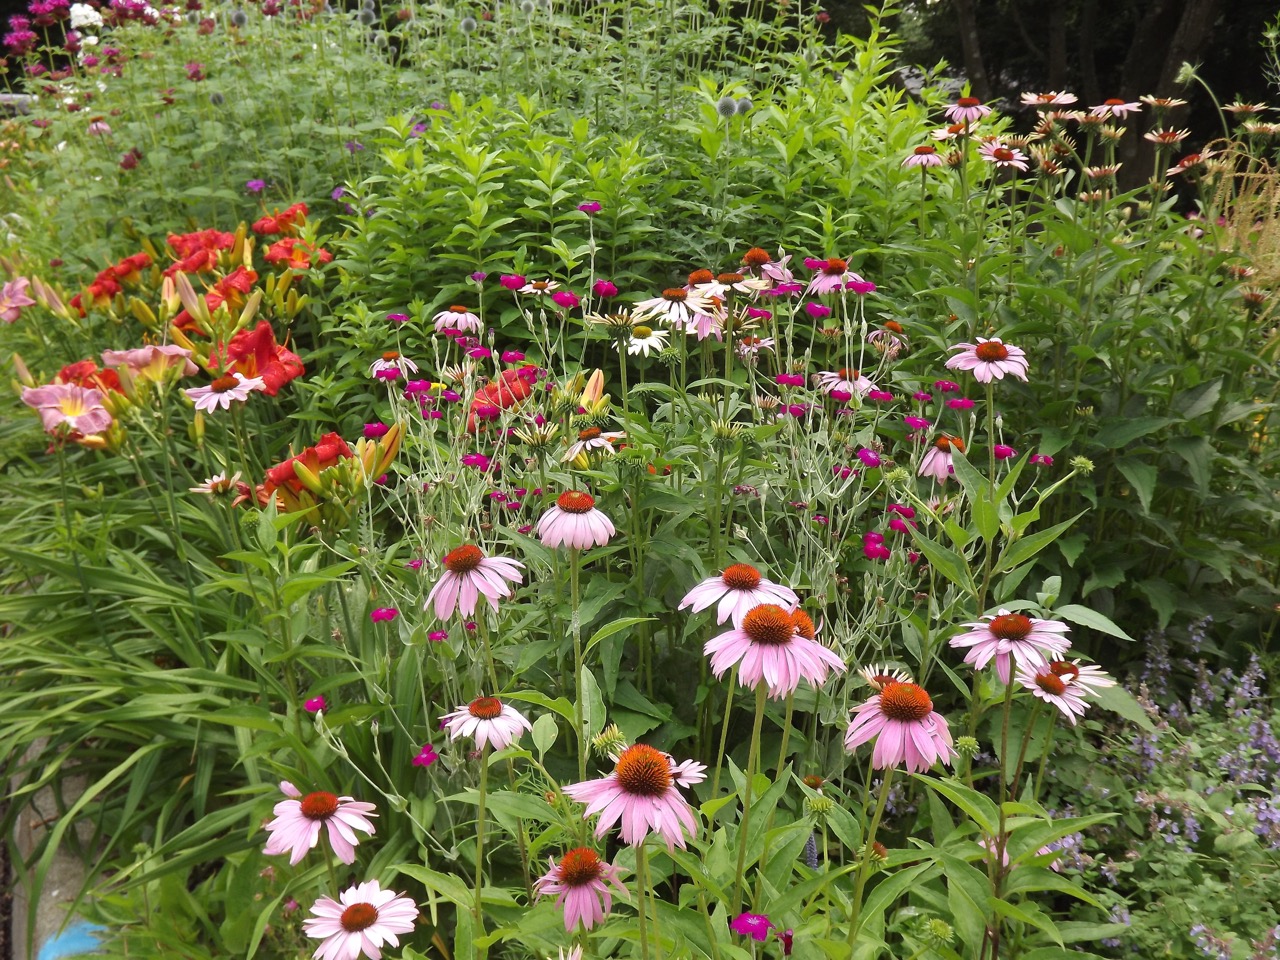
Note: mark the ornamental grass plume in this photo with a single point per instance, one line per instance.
(641, 793)
(490, 721)
(1012, 637)
(362, 920)
(581, 883)
(299, 820)
(906, 730)
(736, 591)
(468, 576)
(768, 646)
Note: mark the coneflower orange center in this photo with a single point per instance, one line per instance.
(391, 355)
(835, 266)
(972, 102)
(575, 501)
(591, 433)
(675, 295)
(318, 806)
(359, 916)
(539, 284)
(1011, 626)
(813, 781)
(949, 443)
(804, 624)
(1112, 102)
(847, 374)
(741, 576)
(223, 384)
(769, 624)
(579, 867)
(905, 701)
(1050, 682)
(485, 708)
(1005, 154)
(730, 278)
(701, 276)
(756, 257)
(924, 150)
(894, 325)
(463, 559)
(1064, 668)
(457, 309)
(643, 771)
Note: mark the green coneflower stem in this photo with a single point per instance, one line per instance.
(1022, 753)
(864, 871)
(724, 731)
(642, 882)
(752, 764)
(575, 626)
(478, 909)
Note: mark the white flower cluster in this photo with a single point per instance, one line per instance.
(83, 15)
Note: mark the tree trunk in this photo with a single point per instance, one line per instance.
(1057, 47)
(1088, 64)
(970, 42)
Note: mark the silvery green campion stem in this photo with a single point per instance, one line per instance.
(752, 765)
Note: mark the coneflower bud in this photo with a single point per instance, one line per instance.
(725, 432)
(726, 107)
(938, 932)
(897, 476)
(609, 742)
(818, 807)
(966, 746)
(1082, 464)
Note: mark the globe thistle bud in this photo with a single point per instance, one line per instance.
(745, 105)
(193, 17)
(239, 18)
(726, 107)
(938, 932)
(369, 5)
(380, 39)
(217, 99)
(609, 742)
(818, 807)
(527, 7)
(367, 17)
(966, 746)
(1082, 465)
(468, 25)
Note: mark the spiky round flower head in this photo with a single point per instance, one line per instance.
(1082, 465)
(489, 721)
(726, 106)
(725, 433)
(367, 17)
(609, 742)
(641, 793)
(768, 648)
(905, 729)
(737, 590)
(745, 105)
(580, 883)
(239, 18)
(818, 807)
(1011, 638)
(967, 746)
(468, 25)
(938, 932)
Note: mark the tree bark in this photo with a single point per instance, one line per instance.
(971, 44)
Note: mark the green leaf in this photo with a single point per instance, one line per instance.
(1027, 913)
(1085, 617)
(545, 731)
(1116, 434)
(1142, 477)
(981, 809)
(609, 629)
(1119, 700)
(1025, 548)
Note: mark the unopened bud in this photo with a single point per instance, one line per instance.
(1082, 465)
(938, 932)
(818, 807)
(966, 746)
(609, 742)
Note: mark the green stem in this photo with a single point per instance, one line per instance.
(575, 625)
(642, 882)
(752, 763)
(864, 871)
(724, 731)
(478, 909)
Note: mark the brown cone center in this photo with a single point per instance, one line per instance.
(906, 702)
(643, 771)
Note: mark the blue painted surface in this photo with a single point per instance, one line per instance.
(75, 941)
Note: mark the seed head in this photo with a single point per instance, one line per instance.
(938, 932)
(468, 25)
(726, 107)
(609, 742)
(966, 746)
(239, 18)
(818, 807)
(367, 17)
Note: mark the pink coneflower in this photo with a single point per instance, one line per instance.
(1055, 684)
(389, 361)
(299, 820)
(1166, 138)
(753, 925)
(580, 883)
(489, 720)
(384, 614)
(675, 307)
(1003, 155)
(235, 387)
(878, 677)
(906, 729)
(574, 522)
(833, 273)
(79, 409)
(769, 646)
(1045, 100)
(469, 575)
(1189, 162)
(361, 920)
(889, 339)
(925, 155)
(641, 793)
(739, 588)
(593, 439)
(850, 381)
(1115, 107)
(937, 461)
(748, 347)
(426, 756)
(1012, 637)
(967, 110)
(458, 318)
(989, 359)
